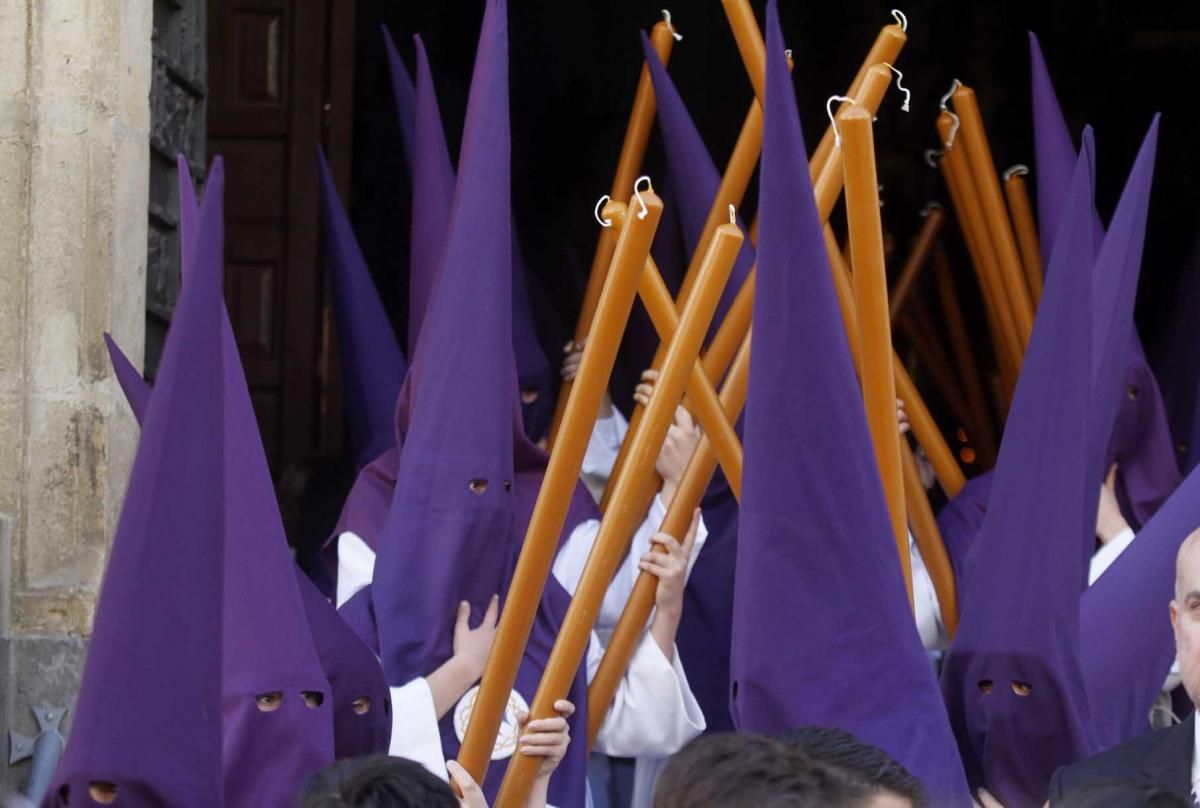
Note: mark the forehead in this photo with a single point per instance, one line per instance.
(1187, 564)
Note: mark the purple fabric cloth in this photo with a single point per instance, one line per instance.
(353, 672)
(155, 730)
(267, 645)
(959, 521)
(451, 531)
(1140, 442)
(373, 366)
(135, 388)
(1019, 623)
(433, 195)
(405, 97)
(814, 540)
(694, 177)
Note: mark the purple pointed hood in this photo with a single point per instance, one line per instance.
(1140, 441)
(433, 195)
(135, 388)
(814, 524)
(405, 97)
(373, 366)
(362, 703)
(274, 694)
(154, 730)
(1012, 679)
(694, 177)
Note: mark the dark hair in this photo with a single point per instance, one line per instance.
(1116, 793)
(376, 781)
(859, 760)
(740, 771)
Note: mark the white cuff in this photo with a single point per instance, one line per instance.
(602, 449)
(415, 733)
(356, 566)
(1108, 553)
(653, 712)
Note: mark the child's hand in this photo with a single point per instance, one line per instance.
(547, 738)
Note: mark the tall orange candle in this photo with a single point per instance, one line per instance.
(971, 216)
(982, 434)
(874, 322)
(918, 256)
(886, 49)
(633, 149)
(610, 544)
(562, 474)
(1027, 238)
(690, 491)
(983, 171)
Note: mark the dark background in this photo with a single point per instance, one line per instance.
(574, 67)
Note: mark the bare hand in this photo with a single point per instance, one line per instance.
(902, 418)
(1109, 521)
(986, 800)
(641, 393)
(670, 566)
(472, 794)
(574, 356)
(678, 446)
(472, 645)
(547, 738)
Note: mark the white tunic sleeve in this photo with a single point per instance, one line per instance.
(356, 566)
(602, 449)
(653, 712)
(925, 602)
(415, 733)
(1103, 558)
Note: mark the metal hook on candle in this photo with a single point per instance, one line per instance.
(930, 155)
(954, 85)
(837, 136)
(637, 192)
(929, 208)
(732, 215)
(900, 86)
(667, 19)
(1019, 170)
(901, 19)
(603, 222)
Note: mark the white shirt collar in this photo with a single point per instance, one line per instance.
(1196, 758)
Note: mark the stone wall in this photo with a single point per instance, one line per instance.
(74, 129)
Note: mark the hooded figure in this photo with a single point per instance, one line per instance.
(450, 533)
(405, 97)
(373, 366)
(1140, 442)
(276, 704)
(814, 542)
(361, 708)
(154, 731)
(362, 705)
(1014, 680)
(433, 189)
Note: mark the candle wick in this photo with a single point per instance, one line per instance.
(1020, 169)
(900, 18)
(954, 85)
(667, 19)
(732, 215)
(600, 204)
(837, 136)
(900, 86)
(930, 154)
(638, 193)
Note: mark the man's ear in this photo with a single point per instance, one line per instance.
(1174, 608)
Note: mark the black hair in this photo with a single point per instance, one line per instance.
(859, 760)
(376, 781)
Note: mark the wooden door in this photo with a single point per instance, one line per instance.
(280, 82)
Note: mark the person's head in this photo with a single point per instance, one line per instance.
(1185, 613)
(891, 785)
(741, 771)
(1121, 794)
(376, 781)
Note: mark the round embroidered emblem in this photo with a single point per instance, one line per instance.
(506, 738)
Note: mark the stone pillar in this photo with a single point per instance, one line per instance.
(74, 128)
